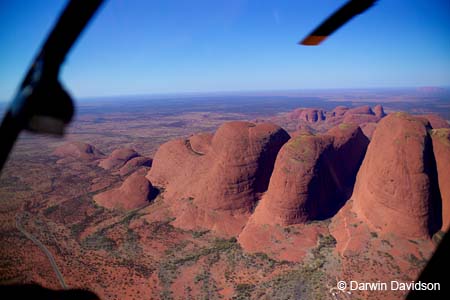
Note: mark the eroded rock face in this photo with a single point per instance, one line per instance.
(313, 176)
(360, 118)
(134, 164)
(436, 121)
(395, 188)
(174, 166)
(368, 129)
(441, 148)
(365, 109)
(201, 142)
(78, 150)
(339, 111)
(349, 148)
(309, 115)
(241, 161)
(118, 158)
(290, 198)
(363, 114)
(221, 175)
(379, 111)
(133, 193)
(319, 120)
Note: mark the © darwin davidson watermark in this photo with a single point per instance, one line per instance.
(345, 288)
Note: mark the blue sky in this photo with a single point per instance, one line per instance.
(166, 46)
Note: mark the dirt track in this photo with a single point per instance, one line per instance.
(45, 250)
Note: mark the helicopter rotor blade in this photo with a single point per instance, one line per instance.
(336, 20)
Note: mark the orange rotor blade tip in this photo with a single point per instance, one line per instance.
(313, 40)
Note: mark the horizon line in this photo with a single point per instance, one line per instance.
(249, 91)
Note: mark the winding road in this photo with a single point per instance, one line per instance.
(45, 250)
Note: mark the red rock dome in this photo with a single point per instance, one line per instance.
(394, 189)
(118, 158)
(133, 193)
(313, 176)
(78, 150)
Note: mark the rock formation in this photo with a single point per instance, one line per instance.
(78, 150)
(319, 120)
(133, 164)
(441, 148)
(436, 121)
(241, 162)
(368, 129)
(118, 158)
(360, 110)
(215, 181)
(339, 111)
(221, 176)
(395, 190)
(379, 111)
(133, 193)
(309, 115)
(313, 176)
(201, 143)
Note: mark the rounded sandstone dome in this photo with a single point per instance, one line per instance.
(118, 158)
(79, 150)
(395, 189)
(133, 193)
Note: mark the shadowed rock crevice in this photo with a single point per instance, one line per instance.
(441, 150)
(326, 193)
(266, 161)
(435, 221)
(154, 192)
